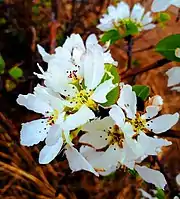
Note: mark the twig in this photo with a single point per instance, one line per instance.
(129, 51)
(137, 71)
(143, 49)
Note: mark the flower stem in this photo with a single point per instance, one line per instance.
(129, 51)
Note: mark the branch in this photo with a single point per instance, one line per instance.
(137, 71)
(129, 51)
(143, 49)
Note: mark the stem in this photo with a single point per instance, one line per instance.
(143, 49)
(137, 71)
(129, 51)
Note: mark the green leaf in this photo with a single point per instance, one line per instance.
(16, 72)
(160, 194)
(2, 65)
(163, 17)
(131, 28)
(167, 47)
(133, 172)
(141, 91)
(113, 95)
(111, 35)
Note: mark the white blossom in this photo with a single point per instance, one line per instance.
(121, 15)
(174, 78)
(178, 179)
(162, 5)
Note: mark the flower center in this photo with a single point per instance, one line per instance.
(53, 117)
(83, 97)
(117, 136)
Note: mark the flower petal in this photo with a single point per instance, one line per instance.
(151, 111)
(48, 153)
(97, 139)
(54, 134)
(79, 118)
(151, 176)
(106, 26)
(160, 5)
(33, 132)
(102, 90)
(77, 162)
(175, 3)
(117, 115)
(34, 103)
(123, 10)
(46, 57)
(173, 76)
(176, 88)
(149, 26)
(147, 18)
(162, 123)
(128, 101)
(91, 40)
(93, 67)
(145, 194)
(137, 12)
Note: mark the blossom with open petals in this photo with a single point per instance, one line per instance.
(120, 16)
(174, 78)
(162, 5)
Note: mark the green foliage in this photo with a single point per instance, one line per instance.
(2, 65)
(167, 47)
(163, 17)
(111, 35)
(112, 96)
(141, 91)
(160, 194)
(131, 28)
(16, 72)
(133, 172)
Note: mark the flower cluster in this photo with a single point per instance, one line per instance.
(73, 104)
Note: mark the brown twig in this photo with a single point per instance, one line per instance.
(143, 49)
(137, 71)
(129, 51)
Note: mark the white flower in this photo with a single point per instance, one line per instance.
(146, 195)
(139, 123)
(53, 127)
(155, 101)
(174, 78)
(67, 64)
(121, 15)
(162, 5)
(151, 176)
(177, 52)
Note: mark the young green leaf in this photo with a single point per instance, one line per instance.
(16, 72)
(160, 194)
(141, 91)
(2, 65)
(131, 28)
(168, 46)
(111, 35)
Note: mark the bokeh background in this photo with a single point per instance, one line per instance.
(23, 24)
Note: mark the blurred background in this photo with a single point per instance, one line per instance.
(23, 25)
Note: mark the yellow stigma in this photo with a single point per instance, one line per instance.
(83, 97)
(52, 119)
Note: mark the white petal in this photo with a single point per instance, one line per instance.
(108, 59)
(102, 90)
(79, 118)
(145, 194)
(137, 12)
(117, 115)
(97, 139)
(46, 57)
(150, 145)
(151, 176)
(175, 3)
(54, 134)
(151, 111)
(178, 179)
(173, 76)
(128, 101)
(160, 5)
(123, 10)
(162, 123)
(91, 40)
(149, 26)
(34, 103)
(48, 153)
(33, 132)
(93, 66)
(157, 100)
(176, 88)
(106, 26)
(77, 162)
(177, 52)
(147, 18)
(99, 125)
